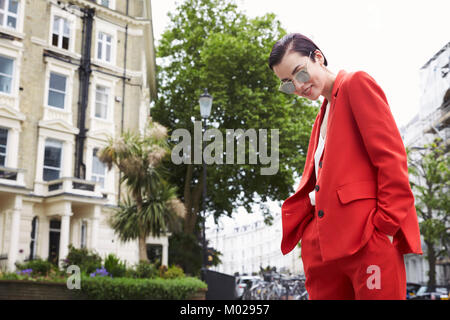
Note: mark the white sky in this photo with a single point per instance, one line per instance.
(389, 39)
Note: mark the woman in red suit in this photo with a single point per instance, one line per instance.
(353, 210)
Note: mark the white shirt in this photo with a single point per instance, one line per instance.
(318, 154)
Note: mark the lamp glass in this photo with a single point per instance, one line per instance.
(205, 105)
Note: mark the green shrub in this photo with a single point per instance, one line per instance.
(145, 270)
(114, 266)
(106, 288)
(39, 267)
(173, 272)
(87, 260)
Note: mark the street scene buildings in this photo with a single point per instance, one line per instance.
(72, 75)
(248, 246)
(433, 120)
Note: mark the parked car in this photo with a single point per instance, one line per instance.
(432, 293)
(411, 289)
(242, 282)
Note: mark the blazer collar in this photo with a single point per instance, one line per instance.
(336, 85)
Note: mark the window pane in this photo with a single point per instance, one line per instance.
(98, 167)
(100, 111)
(3, 137)
(13, 5)
(6, 65)
(52, 157)
(65, 43)
(2, 4)
(105, 3)
(11, 22)
(2, 160)
(55, 40)
(51, 174)
(66, 31)
(1, 19)
(5, 84)
(56, 99)
(108, 53)
(56, 22)
(99, 51)
(57, 82)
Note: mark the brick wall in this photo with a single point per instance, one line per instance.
(29, 290)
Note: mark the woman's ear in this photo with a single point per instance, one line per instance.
(319, 57)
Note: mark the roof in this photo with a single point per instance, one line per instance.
(436, 55)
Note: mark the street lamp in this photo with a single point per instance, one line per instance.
(205, 102)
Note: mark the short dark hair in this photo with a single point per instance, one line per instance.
(293, 42)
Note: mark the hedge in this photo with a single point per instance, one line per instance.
(106, 288)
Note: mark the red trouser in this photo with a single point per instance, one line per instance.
(376, 271)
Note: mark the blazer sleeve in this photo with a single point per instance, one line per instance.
(386, 151)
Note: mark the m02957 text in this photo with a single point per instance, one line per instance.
(237, 309)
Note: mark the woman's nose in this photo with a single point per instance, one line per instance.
(298, 86)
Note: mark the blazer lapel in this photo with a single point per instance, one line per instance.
(314, 141)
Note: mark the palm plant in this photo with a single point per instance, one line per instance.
(151, 208)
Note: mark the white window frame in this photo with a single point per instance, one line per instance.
(109, 29)
(54, 67)
(13, 76)
(112, 4)
(57, 91)
(107, 83)
(109, 179)
(61, 160)
(6, 13)
(61, 32)
(107, 105)
(102, 44)
(71, 19)
(95, 176)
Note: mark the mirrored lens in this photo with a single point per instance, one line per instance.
(302, 76)
(287, 87)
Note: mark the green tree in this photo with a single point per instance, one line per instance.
(151, 208)
(429, 166)
(211, 44)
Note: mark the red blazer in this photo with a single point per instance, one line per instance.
(362, 180)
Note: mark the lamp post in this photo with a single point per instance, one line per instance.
(205, 102)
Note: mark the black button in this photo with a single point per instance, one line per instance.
(320, 214)
(317, 188)
(320, 164)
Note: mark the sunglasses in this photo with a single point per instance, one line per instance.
(300, 76)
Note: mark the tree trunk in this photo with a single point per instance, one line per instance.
(142, 236)
(142, 249)
(192, 200)
(431, 256)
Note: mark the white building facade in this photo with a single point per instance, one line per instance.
(431, 121)
(248, 246)
(54, 191)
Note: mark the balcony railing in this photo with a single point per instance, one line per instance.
(74, 186)
(11, 176)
